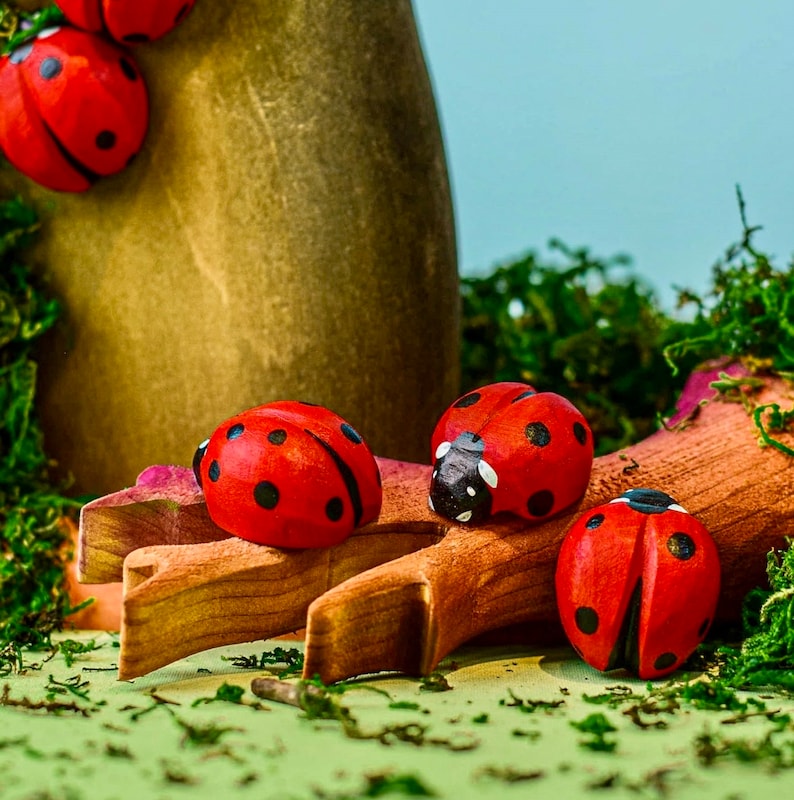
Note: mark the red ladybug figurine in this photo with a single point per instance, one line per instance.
(506, 447)
(288, 474)
(75, 108)
(637, 583)
(127, 21)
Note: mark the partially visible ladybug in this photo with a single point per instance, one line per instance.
(127, 21)
(637, 584)
(288, 474)
(75, 108)
(507, 447)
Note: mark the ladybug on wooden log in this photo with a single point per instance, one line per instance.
(507, 447)
(637, 584)
(288, 474)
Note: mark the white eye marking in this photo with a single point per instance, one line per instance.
(443, 449)
(464, 517)
(619, 500)
(430, 503)
(470, 491)
(487, 473)
(204, 444)
(676, 507)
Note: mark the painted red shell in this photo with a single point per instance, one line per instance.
(128, 21)
(288, 474)
(637, 584)
(507, 447)
(75, 108)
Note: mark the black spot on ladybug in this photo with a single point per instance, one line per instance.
(468, 400)
(105, 140)
(648, 501)
(50, 68)
(704, 626)
(334, 509)
(214, 471)
(594, 521)
(665, 661)
(540, 503)
(128, 68)
(527, 393)
(236, 431)
(538, 434)
(266, 495)
(586, 619)
(21, 53)
(580, 433)
(197, 457)
(351, 433)
(278, 436)
(682, 546)
(136, 38)
(180, 15)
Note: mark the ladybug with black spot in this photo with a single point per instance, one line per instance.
(130, 22)
(75, 108)
(288, 474)
(507, 447)
(637, 584)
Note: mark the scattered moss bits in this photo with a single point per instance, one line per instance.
(596, 726)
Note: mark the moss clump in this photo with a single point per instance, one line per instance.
(589, 329)
(747, 314)
(33, 598)
(578, 325)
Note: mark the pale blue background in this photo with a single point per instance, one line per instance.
(621, 125)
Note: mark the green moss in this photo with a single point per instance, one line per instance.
(588, 328)
(578, 325)
(748, 311)
(33, 598)
(12, 32)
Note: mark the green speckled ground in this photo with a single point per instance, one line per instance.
(474, 745)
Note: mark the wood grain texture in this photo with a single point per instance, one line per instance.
(408, 614)
(406, 590)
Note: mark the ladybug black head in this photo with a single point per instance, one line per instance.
(460, 489)
(197, 456)
(648, 501)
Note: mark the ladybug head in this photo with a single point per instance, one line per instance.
(649, 501)
(462, 480)
(197, 458)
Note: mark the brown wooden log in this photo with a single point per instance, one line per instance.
(423, 601)
(409, 614)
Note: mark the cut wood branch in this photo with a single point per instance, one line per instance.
(404, 591)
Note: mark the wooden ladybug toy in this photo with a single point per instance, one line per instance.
(507, 447)
(75, 108)
(637, 584)
(127, 21)
(288, 474)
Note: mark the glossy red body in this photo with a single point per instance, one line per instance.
(289, 474)
(74, 108)
(506, 447)
(128, 21)
(637, 584)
